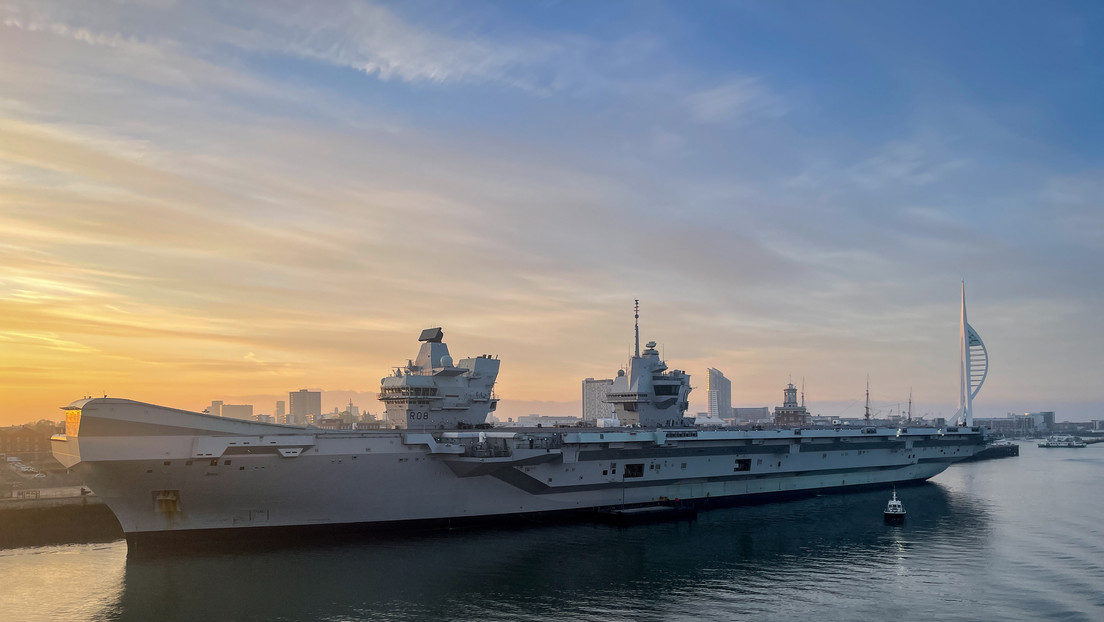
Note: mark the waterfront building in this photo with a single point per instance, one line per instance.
(719, 392)
(215, 408)
(306, 406)
(751, 415)
(24, 442)
(237, 411)
(1006, 426)
(595, 406)
(1044, 420)
(546, 421)
(281, 414)
(790, 413)
(1026, 424)
(706, 420)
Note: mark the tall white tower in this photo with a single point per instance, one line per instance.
(973, 369)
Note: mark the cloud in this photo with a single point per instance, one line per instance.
(366, 36)
(373, 39)
(738, 102)
(918, 162)
(1076, 206)
(47, 340)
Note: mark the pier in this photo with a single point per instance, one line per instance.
(68, 514)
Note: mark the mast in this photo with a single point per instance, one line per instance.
(910, 406)
(636, 322)
(867, 415)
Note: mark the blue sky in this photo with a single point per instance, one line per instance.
(232, 200)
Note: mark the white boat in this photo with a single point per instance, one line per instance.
(175, 477)
(1062, 440)
(895, 510)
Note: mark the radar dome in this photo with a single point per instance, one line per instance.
(620, 373)
(446, 361)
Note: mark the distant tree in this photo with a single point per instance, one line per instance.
(44, 427)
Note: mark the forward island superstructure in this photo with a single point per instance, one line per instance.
(432, 393)
(171, 475)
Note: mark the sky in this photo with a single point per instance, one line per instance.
(233, 200)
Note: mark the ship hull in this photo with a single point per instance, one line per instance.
(171, 475)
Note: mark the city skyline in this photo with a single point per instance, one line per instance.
(202, 201)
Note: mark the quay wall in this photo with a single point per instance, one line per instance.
(56, 520)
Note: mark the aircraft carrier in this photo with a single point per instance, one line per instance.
(175, 476)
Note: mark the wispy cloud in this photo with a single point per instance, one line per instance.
(1077, 208)
(366, 36)
(373, 39)
(737, 102)
(48, 340)
(914, 163)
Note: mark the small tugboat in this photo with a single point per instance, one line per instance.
(894, 512)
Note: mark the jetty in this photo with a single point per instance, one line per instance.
(66, 514)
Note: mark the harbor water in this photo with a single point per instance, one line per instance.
(1010, 539)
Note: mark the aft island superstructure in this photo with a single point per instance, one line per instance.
(170, 474)
(649, 395)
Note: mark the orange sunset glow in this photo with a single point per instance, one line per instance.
(194, 211)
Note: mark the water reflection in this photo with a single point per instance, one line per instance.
(36, 527)
(736, 560)
(70, 582)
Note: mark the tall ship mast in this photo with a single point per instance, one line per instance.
(866, 414)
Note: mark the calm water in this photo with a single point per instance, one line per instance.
(1012, 539)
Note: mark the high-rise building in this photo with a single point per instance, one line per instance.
(1044, 421)
(719, 391)
(281, 414)
(306, 406)
(595, 406)
(237, 411)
